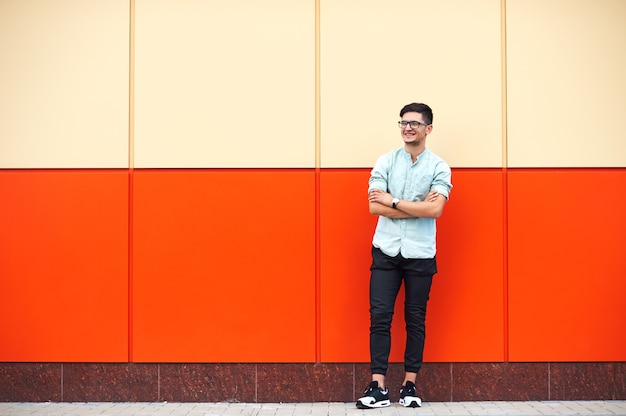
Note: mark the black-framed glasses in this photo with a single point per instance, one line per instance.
(414, 124)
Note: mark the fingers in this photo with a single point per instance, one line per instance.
(377, 195)
(432, 196)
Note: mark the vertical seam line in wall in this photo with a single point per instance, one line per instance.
(505, 197)
(62, 381)
(549, 381)
(451, 382)
(131, 156)
(318, 317)
(158, 382)
(256, 383)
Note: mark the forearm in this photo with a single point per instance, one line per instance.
(382, 203)
(422, 209)
(377, 208)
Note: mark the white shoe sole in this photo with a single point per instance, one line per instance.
(375, 405)
(411, 402)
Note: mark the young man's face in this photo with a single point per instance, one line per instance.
(414, 134)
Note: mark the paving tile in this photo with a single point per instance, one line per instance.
(519, 408)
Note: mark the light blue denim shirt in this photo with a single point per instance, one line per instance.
(394, 172)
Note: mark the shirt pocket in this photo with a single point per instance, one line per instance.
(421, 183)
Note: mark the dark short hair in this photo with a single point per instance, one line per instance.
(423, 109)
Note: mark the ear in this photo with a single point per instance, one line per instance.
(429, 129)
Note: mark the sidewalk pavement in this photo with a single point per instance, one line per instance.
(544, 408)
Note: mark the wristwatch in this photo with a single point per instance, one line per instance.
(394, 202)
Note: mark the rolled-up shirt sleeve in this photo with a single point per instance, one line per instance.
(379, 175)
(442, 181)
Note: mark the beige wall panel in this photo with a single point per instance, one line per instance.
(566, 83)
(64, 82)
(224, 83)
(378, 56)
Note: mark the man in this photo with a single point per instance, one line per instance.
(408, 189)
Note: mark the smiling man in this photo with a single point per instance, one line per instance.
(408, 189)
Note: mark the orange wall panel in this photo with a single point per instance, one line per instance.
(64, 266)
(346, 229)
(567, 264)
(465, 320)
(224, 266)
(223, 273)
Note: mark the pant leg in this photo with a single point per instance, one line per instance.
(418, 277)
(385, 281)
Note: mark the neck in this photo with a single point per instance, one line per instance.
(415, 150)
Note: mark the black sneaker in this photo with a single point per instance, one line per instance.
(374, 397)
(408, 397)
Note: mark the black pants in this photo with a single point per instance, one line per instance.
(387, 274)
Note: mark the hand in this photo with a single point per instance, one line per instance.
(382, 197)
(432, 196)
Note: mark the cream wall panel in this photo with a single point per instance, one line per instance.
(224, 83)
(378, 56)
(64, 82)
(566, 64)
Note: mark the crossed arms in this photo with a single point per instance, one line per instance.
(380, 203)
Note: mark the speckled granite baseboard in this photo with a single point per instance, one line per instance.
(304, 382)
